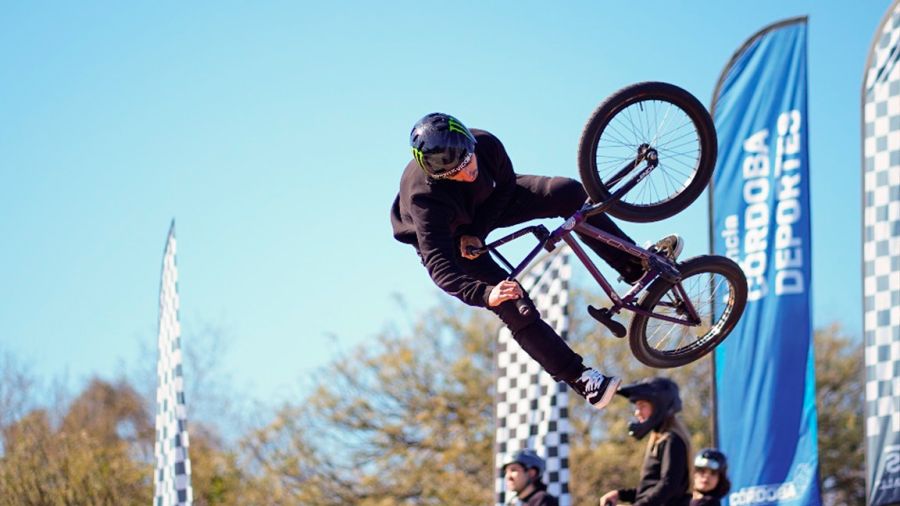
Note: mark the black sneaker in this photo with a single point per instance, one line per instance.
(669, 246)
(595, 387)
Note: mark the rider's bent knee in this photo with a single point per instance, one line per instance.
(567, 195)
(513, 319)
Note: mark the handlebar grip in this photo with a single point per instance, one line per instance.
(523, 307)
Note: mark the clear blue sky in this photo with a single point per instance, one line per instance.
(275, 133)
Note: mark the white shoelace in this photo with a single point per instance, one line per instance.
(592, 378)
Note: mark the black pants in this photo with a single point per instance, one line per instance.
(544, 197)
(559, 197)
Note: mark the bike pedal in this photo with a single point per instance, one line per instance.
(667, 270)
(604, 316)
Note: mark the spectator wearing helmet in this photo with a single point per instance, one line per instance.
(710, 478)
(458, 187)
(665, 476)
(524, 473)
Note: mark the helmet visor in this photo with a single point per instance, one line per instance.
(456, 170)
(702, 462)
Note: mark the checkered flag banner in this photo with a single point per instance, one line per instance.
(532, 408)
(172, 478)
(881, 259)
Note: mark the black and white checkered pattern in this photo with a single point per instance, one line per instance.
(172, 477)
(881, 241)
(531, 408)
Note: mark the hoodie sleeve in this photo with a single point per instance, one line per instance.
(626, 495)
(438, 252)
(492, 155)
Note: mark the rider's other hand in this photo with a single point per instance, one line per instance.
(506, 290)
(467, 241)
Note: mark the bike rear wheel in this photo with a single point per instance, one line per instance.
(648, 121)
(717, 289)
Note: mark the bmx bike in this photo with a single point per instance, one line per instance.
(645, 154)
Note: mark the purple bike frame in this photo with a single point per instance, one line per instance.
(549, 240)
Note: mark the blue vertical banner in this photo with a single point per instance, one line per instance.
(760, 217)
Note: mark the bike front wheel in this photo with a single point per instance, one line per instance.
(646, 124)
(716, 288)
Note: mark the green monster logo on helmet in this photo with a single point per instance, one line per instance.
(419, 156)
(454, 125)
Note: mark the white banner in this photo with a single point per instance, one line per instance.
(881, 260)
(172, 477)
(531, 408)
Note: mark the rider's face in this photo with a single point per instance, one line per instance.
(469, 173)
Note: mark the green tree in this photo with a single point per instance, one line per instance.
(102, 453)
(111, 413)
(85, 461)
(839, 402)
(216, 475)
(17, 390)
(406, 419)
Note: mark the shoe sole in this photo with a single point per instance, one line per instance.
(676, 251)
(608, 394)
(676, 248)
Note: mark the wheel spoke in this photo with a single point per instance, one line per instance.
(662, 125)
(701, 288)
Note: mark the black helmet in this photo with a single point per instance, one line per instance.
(528, 459)
(710, 458)
(661, 393)
(441, 145)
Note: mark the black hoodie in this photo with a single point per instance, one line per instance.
(432, 214)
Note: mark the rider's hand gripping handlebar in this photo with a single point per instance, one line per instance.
(521, 305)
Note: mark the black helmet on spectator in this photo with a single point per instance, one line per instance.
(710, 458)
(661, 393)
(714, 460)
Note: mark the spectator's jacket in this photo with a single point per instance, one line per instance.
(664, 478)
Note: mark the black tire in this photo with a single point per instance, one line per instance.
(699, 276)
(664, 117)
